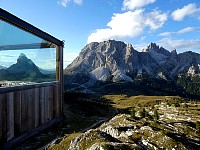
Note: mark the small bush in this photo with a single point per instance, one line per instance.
(107, 147)
(176, 104)
(136, 137)
(166, 131)
(155, 116)
(142, 113)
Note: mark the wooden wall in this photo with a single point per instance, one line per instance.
(25, 108)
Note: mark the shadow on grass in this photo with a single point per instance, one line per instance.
(189, 143)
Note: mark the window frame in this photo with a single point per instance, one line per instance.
(23, 25)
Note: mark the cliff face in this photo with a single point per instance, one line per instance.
(116, 61)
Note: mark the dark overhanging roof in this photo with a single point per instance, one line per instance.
(10, 18)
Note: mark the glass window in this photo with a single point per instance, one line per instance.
(24, 57)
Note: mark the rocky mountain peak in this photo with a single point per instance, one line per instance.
(151, 46)
(22, 55)
(22, 58)
(24, 65)
(174, 53)
(154, 48)
(109, 54)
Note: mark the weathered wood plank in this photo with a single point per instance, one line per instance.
(56, 101)
(10, 115)
(37, 105)
(4, 119)
(59, 101)
(51, 103)
(42, 105)
(2, 109)
(24, 118)
(46, 104)
(17, 113)
(31, 108)
(1, 118)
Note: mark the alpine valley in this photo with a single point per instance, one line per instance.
(122, 99)
(111, 64)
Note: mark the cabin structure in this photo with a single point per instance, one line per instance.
(31, 80)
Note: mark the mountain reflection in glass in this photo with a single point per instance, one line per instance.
(24, 57)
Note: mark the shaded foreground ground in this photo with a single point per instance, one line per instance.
(81, 112)
(175, 127)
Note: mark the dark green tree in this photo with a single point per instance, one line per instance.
(132, 113)
(155, 116)
(142, 113)
(185, 105)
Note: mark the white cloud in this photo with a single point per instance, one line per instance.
(188, 10)
(134, 4)
(155, 19)
(65, 2)
(78, 2)
(180, 45)
(129, 24)
(7, 55)
(182, 31)
(185, 30)
(166, 33)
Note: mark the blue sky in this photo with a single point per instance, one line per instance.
(170, 23)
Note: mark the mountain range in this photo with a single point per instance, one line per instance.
(117, 61)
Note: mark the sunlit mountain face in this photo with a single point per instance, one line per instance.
(115, 61)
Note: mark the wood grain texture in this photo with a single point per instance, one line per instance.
(22, 111)
(2, 118)
(17, 113)
(10, 115)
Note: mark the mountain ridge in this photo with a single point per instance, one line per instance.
(24, 69)
(116, 61)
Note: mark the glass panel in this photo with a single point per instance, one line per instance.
(11, 35)
(24, 57)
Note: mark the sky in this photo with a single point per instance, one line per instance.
(169, 23)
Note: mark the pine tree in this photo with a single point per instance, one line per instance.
(132, 113)
(155, 115)
(142, 113)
